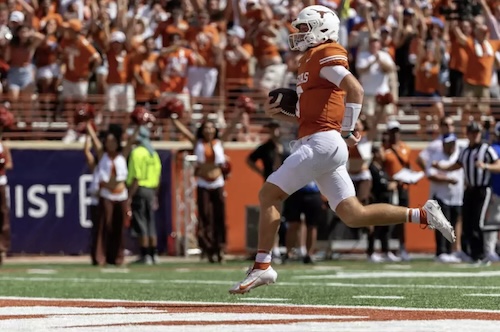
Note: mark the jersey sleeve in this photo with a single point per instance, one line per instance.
(334, 55)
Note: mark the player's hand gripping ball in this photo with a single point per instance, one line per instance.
(287, 99)
(246, 103)
(140, 116)
(171, 106)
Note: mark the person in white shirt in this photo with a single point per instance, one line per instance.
(373, 67)
(446, 126)
(447, 188)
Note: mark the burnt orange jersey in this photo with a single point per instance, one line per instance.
(238, 68)
(46, 53)
(427, 77)
(205, 39)
(321, 103)
(173, 69)
(20, 56)
(119, 71)
(479, 68)
(77, 56)
(146, 67)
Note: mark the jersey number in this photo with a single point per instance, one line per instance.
(297, 108)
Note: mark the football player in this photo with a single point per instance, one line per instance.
(329, 105)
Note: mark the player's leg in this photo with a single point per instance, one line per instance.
(295, 173)
(338, 188)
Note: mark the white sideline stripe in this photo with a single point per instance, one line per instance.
(115, 270)
(230, 283)
(118, 301)
(41, 271)
(267, 299)
(402, 274)
(389, 297)
(182, 270)
(327, 268)
(397, 266)
(482, 295)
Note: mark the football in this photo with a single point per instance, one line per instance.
(141, 116)
(246, 103)
(171, 106)
(288, 101)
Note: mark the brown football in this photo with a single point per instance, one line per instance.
(288, 101)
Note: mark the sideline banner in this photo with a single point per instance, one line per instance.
(49, 202)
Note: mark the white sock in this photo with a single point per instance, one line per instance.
(413, 215)
(263, 257)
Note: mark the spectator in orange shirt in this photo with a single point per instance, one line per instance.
(237, 56)
(175, 22)
(458, 60)
(204, 39)
(427, 70)
(80, 59)
(120, 92)
(48, 69)
(480, 60)
(262, 32)
(174, 63)
(146, 73)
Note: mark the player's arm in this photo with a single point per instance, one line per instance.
(345, 80)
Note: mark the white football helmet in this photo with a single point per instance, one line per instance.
(323, 25)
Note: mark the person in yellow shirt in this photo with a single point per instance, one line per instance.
(144, 172)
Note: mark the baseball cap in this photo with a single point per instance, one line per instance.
(393, 124)
(448, 138)
(236, 31)
(118, 36)
(474, 127)
(374, 37)
(16, 16)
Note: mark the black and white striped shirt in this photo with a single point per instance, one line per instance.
(474, 176)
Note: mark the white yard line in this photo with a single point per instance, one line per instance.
(41, 271)
(265, 299)
(115, 270)
(482, 295)
(230, 283)
(401, 274)
(389, 297)
(145, 303)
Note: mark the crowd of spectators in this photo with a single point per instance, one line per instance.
(137, 51)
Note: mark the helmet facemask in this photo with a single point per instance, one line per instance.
(301, 41)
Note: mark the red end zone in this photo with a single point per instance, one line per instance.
(17, 314)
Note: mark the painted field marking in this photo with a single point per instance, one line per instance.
(115, 270)
(265, 299)
(397, 266)
(327, 268)
(182, 270)
(482, 295)
(41, 271)
(230, 283)
(378, 297)
(402, 274)
(176, 303)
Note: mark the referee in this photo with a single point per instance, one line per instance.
(478, 160)
(144, 172)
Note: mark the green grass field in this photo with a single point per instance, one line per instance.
(418, 284)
